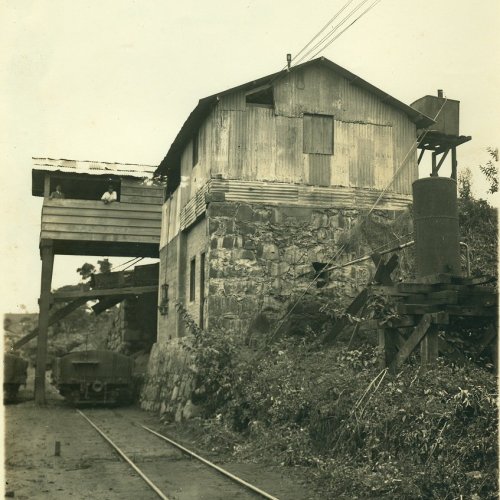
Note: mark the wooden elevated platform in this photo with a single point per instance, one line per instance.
(432, 304)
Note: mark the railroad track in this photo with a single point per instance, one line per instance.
(156, 479)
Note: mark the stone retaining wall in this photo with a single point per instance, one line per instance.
(169, 382)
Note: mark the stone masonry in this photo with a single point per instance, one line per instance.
(259, 262)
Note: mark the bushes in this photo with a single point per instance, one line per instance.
(365, 433)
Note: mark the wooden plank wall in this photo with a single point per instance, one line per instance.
(371, 138)
(136, 218)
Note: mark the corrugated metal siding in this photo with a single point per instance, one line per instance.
(319, 170)
(93, 167)
(371, 138)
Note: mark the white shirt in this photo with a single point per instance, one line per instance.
(107, 196)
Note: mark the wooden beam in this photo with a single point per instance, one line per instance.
(54, 318)
(420, 156)
(454, 163)
(429, 347)
(47, 255)
(412, 342)
(105, 303)
(95, 294)
(445, 154)
(387, 343)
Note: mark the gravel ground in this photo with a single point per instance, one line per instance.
(88, 468)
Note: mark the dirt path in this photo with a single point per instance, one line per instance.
(88, 468)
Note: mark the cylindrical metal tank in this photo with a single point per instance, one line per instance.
(435, 217)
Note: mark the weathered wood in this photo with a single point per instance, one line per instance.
(352, 309)
(54, 318)
(99, 213)
(429, 347)
(146, 200)
(95, 294)
(47, 255)
(387, 343)
(105, 303)
(102, 228)
(99, 205)
(85, 236)
(78, 220)
(415, 338)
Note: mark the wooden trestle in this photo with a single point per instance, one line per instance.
(430, 305)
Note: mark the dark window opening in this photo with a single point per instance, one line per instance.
(192, 280)
(321, 274)
(263, 97)
(163, 306)
(318, 134)
(195, 148)
(84, 188)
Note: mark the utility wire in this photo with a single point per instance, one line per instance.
(346, 28)
(332, 31)
(322, 29)
(364, 219)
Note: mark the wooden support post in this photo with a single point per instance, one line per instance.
(434, 171)
(387, 342)
(420, 156)
(445, 154)
(47, 255)
(429, 347)
(412, 342)
(454, 163)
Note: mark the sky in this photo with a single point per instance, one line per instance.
(114, 80)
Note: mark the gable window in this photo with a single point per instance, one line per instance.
(261, 97)
(192, 279)
(318, 134)
(195, 148)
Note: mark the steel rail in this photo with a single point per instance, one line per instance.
(212, 465)
(122, 454)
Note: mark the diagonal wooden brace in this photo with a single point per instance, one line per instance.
(412, 342)
(54, 318)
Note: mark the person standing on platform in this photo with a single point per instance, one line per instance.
(109, 196)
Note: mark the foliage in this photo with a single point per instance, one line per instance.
(86, 271)
(104, 266)
(365, 433)
(490, 170)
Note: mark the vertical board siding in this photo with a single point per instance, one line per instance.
(318, 134)
(370, 137)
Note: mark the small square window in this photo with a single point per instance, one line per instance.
(318, 134)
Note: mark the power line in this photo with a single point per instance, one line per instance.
(322, 29)
(364, 219)
(345, 29)
(332, 31)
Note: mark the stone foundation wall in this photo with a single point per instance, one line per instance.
(261, 260)
(168, 384)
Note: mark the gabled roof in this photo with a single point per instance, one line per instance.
(170, 163)
(86, 167)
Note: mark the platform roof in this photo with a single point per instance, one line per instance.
(85, 167)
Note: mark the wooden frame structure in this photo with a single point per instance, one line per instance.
(430, 305)
(79, 223)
